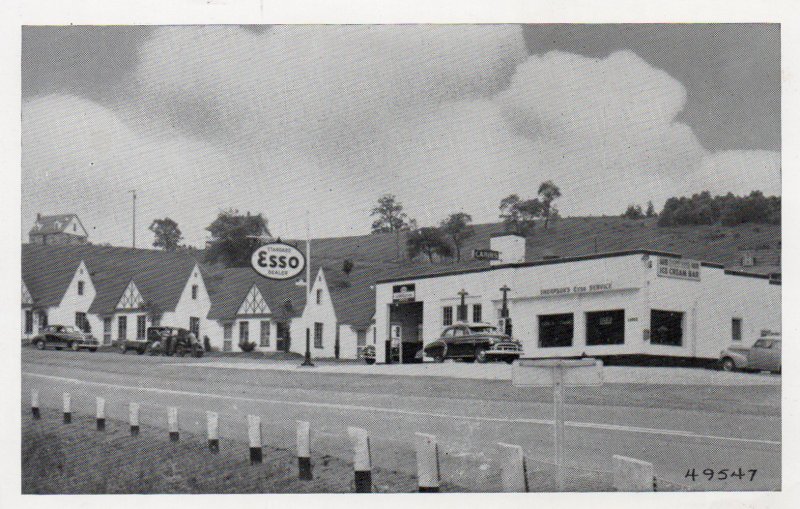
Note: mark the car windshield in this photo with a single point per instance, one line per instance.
(483, 329)
(68, 329)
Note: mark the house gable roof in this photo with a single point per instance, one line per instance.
(228, 289)
(160, 276)
(254, 303)
(58, 223)
(47, 272)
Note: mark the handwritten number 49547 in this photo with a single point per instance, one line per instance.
(720, 475)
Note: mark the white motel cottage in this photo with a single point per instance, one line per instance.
(629, 303)
(116, 293)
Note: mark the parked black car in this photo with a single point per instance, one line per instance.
(473, 342)
(64, 336)
(166, 341)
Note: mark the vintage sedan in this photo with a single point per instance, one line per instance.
(470, 342)
(764, 355)
(64, 336)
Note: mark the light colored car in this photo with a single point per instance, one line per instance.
(764, 355)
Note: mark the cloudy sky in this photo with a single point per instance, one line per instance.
(285, 119)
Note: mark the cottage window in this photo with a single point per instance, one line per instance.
(265, 333)
(194, 292)
(141, 326)
(122, 328)
(227, 331)
(317, 335)
(244, 332)
(80, 287)
(319, 296)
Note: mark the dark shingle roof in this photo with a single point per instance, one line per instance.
(159, 275)
(229, 287)
(47, 271)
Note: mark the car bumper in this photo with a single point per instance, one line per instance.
(505, 350)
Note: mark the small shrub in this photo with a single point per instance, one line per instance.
(247, 346)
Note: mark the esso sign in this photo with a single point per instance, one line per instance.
(277, 260)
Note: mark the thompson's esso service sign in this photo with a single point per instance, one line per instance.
(277, 260)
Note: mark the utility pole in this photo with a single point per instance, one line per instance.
(134, 216)
(307, 360)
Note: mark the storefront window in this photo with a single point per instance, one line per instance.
(556, 330)
(605, 327)
(666, 328)
(477, 313)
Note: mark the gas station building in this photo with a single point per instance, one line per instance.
(628, 303)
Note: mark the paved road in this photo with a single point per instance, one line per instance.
(675, 427)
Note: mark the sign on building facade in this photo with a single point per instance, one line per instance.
(679, 269)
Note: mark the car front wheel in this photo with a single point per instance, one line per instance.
(75, 346)
(40, 344)
(123, 348)
(480, 356)
(728, 364)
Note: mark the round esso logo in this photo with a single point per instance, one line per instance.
(277, 260)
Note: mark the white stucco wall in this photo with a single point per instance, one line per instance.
(72, 303)
(628, 282)
(323, 313)
(188, 307)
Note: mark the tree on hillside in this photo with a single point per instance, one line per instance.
(519, 216)
(633, 212)
(548, 193)
(651, 210)
(234, 237)
(730, 210)
(390, 215)
(430, 241)
(458, 228)
(167, 234)
(347, 266)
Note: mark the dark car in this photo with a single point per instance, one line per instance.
(64, 336)
(166, 341)
(469, 342)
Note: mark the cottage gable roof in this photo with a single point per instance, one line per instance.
(254, 303)
(131, 298)
(230, 288)
(160, 276)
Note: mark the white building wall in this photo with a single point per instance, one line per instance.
(72, 303)
(627, 282)
(322, 312)
(709, 307)
(188, 307)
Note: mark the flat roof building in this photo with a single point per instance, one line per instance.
(628, 303)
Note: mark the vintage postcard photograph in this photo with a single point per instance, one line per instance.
(396, 258)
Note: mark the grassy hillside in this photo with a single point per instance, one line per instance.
(571, 237)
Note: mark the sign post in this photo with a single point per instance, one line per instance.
(558, 373)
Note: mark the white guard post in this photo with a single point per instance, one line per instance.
(558, 373)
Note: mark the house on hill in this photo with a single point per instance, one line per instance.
(57, 230)
(247, 308)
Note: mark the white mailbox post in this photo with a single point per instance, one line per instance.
(558, 373)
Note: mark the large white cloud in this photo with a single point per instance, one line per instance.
(329, 118)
